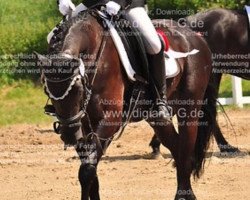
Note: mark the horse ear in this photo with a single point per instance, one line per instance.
(42, 60)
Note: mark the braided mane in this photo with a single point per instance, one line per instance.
(57, 41)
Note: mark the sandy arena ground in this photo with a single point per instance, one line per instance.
(33, 165)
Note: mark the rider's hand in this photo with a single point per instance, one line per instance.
(112, 8)
(65, 6)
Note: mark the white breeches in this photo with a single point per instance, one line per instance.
(139, 18)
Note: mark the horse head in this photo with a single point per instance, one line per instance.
(76, 44)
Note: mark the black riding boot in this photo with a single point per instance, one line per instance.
(158, 70)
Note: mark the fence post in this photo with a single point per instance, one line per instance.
(237, 91)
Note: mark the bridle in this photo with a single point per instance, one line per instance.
(78, 74)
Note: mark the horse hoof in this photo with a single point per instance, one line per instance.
(153, 156)
(229, 149)
(156, 156)
(187, 196)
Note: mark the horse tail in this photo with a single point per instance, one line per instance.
(206, 128)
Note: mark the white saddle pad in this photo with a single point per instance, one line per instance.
(171, 66)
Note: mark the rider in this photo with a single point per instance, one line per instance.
(135, 13)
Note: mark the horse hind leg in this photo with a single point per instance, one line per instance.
(222, 143)
(184, 164)
(196, 124)
(181, 147)
(171, 139)
(155, 145)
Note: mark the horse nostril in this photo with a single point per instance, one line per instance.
(67, 139)
(62, 137)
(69, 136)
(78, 134)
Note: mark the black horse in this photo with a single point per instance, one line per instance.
(227, 34)
(90, 125)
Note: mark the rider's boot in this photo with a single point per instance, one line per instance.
(159, 78)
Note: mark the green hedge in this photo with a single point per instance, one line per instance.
(193, 6)
(24, 25)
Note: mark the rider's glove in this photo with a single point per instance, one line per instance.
(65, 6)
(112, 8)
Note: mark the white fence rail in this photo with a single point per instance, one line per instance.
(237, 99)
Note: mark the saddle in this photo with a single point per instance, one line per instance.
(133, 44)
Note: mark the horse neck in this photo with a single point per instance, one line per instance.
(83, 38)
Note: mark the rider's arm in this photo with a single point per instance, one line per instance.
(115, 5)
(65, 6)
(123, 3)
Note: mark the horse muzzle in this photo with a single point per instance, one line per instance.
(70, 136)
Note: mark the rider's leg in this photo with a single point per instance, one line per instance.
(140, 19)
(157, 62)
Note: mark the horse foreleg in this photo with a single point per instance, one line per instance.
(167, 135)
(90, 152)
(87, 177)
(94, 190)
(87, 174)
